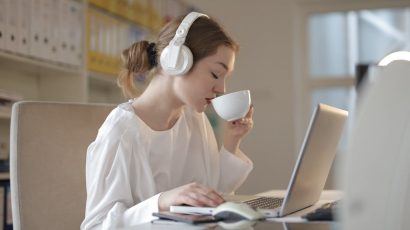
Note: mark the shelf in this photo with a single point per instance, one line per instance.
(36, 65)
(102, 79)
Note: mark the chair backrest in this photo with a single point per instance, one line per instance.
(48, 145)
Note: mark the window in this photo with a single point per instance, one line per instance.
(338, 41)
(332, 42)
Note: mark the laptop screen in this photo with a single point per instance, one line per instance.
(315, 159)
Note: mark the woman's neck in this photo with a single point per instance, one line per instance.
(157, 106)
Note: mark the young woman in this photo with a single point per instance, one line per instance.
(159, 149)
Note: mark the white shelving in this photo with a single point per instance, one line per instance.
(35, 65)
(36, 78)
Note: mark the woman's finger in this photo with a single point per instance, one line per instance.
(250, 112)
(192, 201)
(210, 193)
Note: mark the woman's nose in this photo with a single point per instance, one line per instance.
(220, 87)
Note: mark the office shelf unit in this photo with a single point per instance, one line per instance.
(47, 48)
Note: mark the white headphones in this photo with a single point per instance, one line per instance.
(176, 58)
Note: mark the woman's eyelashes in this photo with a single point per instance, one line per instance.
(215, 76)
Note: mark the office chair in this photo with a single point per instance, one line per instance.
(48, 145)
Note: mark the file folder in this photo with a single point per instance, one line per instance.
(76, 31)
(23, 45)
(63, 41)
(92, 40)
(35, 28)
(3, 21)
(54, 29)
(45, 29)
(11, 25)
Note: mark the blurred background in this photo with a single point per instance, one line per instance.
(294, 54)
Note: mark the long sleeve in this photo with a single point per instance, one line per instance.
(233, 168)
(119, 193)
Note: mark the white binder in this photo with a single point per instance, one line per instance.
(76, 31)
(63, 47)
(11, 25)
(3, 22)
(45, 29)
(35, 28)
(54, 29)
(23, 43)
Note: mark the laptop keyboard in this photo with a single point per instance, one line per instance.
(265, 202)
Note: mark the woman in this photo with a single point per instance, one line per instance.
(159, 149)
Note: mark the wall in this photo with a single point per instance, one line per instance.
(269, 64)
(264, 66)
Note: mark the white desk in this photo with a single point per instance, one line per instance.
(276, 223)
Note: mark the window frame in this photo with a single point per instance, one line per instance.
(304, 84)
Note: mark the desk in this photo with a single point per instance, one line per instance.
(290, 222)
(262, 225)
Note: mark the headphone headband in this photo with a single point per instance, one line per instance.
(180, 36)
(183, 28)
(176, 58)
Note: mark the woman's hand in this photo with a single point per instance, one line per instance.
(193, 194)
(236, 130)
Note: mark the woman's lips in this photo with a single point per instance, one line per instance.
(208, 100)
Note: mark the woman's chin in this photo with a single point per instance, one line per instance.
(201, 109)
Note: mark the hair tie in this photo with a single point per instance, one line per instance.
(152, 54)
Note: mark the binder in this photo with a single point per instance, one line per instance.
(100, 42)
(63, 41)
(99, 3)
(116, 47)
(76, 31)
(23, 9)
(141, 15)
(54, 30)
(159, 13)
(92, 40)
(11, 25)
(104, 44)
(3, 22)
(45, 29)
(112, 46)
(35, 28)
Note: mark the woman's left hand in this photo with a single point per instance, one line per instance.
(236, 130)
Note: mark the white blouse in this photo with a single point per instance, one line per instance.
(129, 165)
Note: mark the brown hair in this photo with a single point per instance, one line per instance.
(204, 37)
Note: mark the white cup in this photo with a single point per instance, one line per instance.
(232, 106)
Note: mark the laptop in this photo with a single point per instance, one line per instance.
(309, 174)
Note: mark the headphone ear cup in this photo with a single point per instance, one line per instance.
(184, 62)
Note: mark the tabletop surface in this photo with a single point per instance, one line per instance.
(290, 222)
(240, 225)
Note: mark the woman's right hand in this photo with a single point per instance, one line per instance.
(193, 194)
